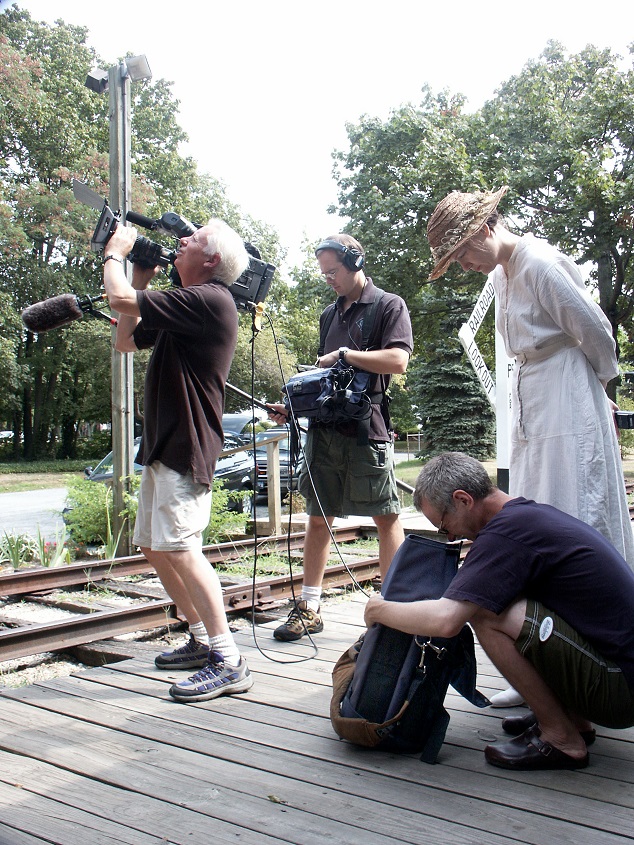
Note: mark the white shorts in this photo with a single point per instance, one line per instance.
(173, 510)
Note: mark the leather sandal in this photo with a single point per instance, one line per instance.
(517, 725)
(530, 753)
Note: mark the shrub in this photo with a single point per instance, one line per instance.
(89, 507)
(16, 549)
(89, 513)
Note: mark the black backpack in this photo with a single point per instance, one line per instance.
(389, 687)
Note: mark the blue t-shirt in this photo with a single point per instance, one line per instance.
(539, 552)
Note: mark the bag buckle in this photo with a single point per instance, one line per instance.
(439, 651)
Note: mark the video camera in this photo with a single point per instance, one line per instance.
(248, 291)
(624, 419)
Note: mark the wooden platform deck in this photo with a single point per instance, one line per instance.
(105, 758)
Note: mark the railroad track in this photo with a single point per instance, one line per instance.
(95, 621)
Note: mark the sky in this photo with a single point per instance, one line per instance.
(266, 87)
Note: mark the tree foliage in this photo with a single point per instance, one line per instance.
(561, 135)
(390, 181)
(54, 129)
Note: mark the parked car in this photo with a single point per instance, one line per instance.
(239, 425)
(236, 470)
(288, 473)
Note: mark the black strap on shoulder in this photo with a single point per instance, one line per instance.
(379, 397)
(325, 328)
(368, 322)
(368, 318)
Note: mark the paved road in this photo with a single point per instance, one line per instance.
(22, 513)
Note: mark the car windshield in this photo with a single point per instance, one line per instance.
(264, 436)
(106, 466)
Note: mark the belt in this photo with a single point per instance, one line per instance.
(543, 352)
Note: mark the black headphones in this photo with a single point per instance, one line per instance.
(351, 258)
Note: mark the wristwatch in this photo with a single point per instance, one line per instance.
(343, 351)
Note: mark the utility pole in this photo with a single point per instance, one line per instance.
(117, 81)
(121, 362)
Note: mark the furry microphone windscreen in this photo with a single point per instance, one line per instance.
(52, 313)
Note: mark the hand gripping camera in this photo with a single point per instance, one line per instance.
(248, 291)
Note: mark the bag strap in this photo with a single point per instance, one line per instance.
(326, 328)
(368, 322)
(368, 318)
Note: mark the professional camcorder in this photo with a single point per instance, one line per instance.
(624, 419)
(248, 291)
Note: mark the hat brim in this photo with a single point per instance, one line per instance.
(478, 221)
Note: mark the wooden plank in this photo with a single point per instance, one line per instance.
(181, 824)
(133, 766)
(168, 822)
(480, 781)
(41, 817)
(15, 836)
(421, 830)
(484, 724)
(110, 740)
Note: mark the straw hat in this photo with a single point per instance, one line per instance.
(457, 218)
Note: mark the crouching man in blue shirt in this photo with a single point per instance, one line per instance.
(551, 602)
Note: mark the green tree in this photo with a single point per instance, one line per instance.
(561, 134)
(390, 180)
(448, 395)
(306, 298)
(51, 130)
(54, 129)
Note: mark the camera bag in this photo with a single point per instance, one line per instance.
(330, 395)
(389, 687)
(339, 393)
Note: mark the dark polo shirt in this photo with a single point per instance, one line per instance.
(392, 328)
(193, 331)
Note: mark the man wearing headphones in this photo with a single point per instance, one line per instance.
(342, 475)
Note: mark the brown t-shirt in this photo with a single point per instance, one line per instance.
(392, 327)
(193, 331)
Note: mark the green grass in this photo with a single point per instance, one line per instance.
(21, 476)
(407, 471)
(20, 482)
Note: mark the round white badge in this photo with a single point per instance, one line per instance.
(546, 629)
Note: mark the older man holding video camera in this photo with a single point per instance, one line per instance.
(193, 332)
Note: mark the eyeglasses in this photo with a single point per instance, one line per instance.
(440, 530)
(330, 275)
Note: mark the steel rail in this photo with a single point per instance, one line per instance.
(103, 624)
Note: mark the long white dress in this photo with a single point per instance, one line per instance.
(564, 448)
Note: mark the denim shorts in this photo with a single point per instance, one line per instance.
(173, 510)
(346, 478)
(581, 678)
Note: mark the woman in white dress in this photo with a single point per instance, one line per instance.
(564, 446)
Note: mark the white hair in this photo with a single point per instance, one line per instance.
(234, 259)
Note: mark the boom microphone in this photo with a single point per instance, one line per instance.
(61, 310)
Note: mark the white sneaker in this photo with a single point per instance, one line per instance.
(507, 698)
